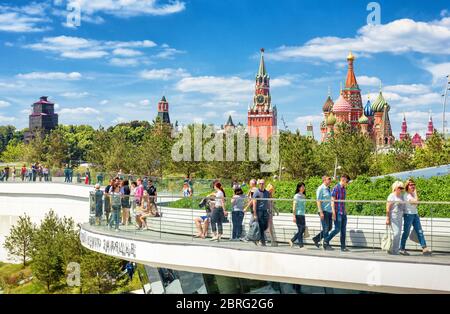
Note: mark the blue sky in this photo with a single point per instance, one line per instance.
(203, 56)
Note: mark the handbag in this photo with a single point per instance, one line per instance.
(306, 233)
(413, 236)
(387, 241)
(253, 232)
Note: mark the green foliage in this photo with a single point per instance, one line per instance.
(362, 188)
(20, 239)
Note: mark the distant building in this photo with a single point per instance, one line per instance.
(229, 126)
(262, 117)
(163, 110)
(42, 118)
(416, 140)
(371, 120)
(309, 130)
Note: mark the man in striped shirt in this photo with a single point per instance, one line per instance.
(339, 214)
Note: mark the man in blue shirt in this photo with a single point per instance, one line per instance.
(339, 194)
(260, 209)
(323, 196)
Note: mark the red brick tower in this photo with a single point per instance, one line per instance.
(352, 93)
(404, 134)
(262, 117)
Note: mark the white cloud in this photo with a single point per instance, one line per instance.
(124, 52)
(4, 104)
(25, 19)
(397, 100)
(368, 80)
(79, 111)
(119, 120)
(399, 36)
(144, 102)
(75, 94)
(124, 62)
(439, 71)
(168, 53)
(163, 74)
(408, 89)
(129, 105)
(82, 48)
(104, 102)
(224, 88)
(72, 76)
(280, 82)
(5, 119)
(126, 8)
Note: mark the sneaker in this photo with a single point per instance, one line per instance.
(243, 240)
(345, 249)
(291, 244)
(316, 243)
(117, 230)
(214, 238)
(256, 243)
(326, 246)
(426, 252)
(403, 252)
(300, 246)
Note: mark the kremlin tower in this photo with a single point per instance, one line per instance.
(404, 134)
(262, 117)
(163, 110)
(430, 130)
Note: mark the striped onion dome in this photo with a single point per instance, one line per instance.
(363, 119)
(342, 105)
(379, 103)
(328, 105)
(368, 112)
(331, 119)
(323, 124)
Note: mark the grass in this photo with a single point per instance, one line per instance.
(11, 274)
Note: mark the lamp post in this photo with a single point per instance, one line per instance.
(336, 167)
(446, 89)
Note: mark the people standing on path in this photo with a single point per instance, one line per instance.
(218, 213)
(395, 209)
(98, 196)
(125, 191)
(272, 210)
(323, 196)
(339, 214)
(237, 215)
(411, 218)
(23, 172)
(260, 209)
(298, 210)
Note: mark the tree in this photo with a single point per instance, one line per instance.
(20, 239)
(352, 150)
(100, 273)
(15, 151)
(298, 155)
(51, 251)
(435, 152)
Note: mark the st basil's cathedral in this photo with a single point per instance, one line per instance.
(372, 119)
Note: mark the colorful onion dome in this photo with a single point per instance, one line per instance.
(363, 119)
(342, 105)
(323, 124)
(368, 112)
(331, 119)
(379, 103)
(328, 105)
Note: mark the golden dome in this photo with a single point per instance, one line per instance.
(350, 56)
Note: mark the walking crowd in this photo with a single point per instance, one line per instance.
(123, 203)
(401, 209)
(35, 172)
